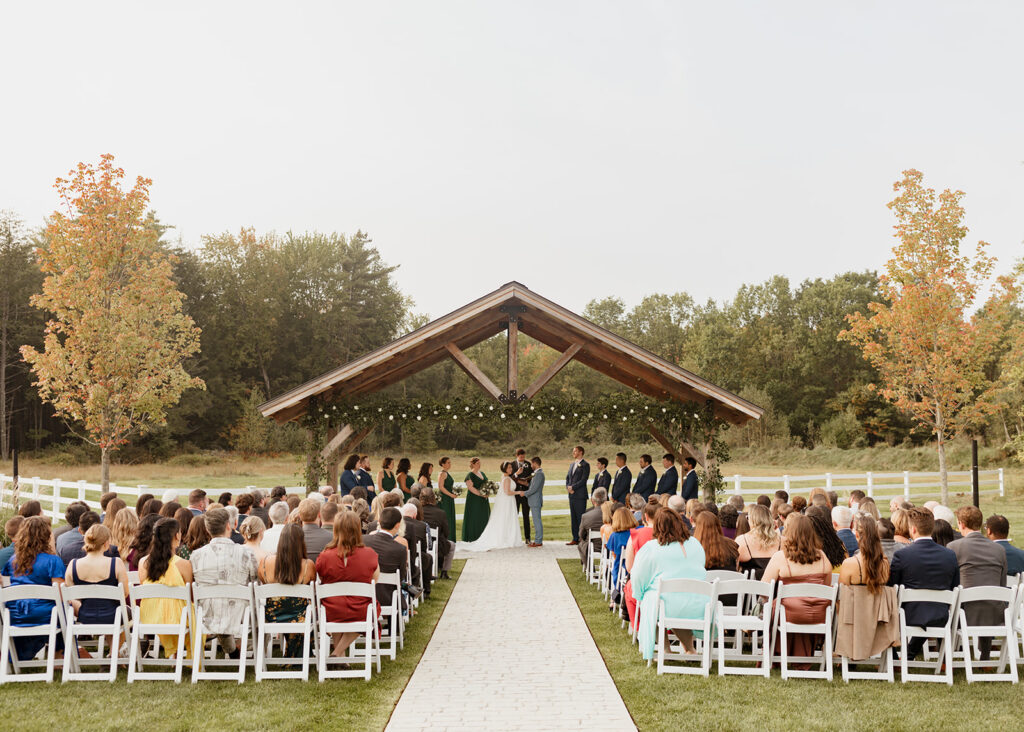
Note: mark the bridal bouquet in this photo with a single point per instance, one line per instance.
(456, 489)
(490, 488)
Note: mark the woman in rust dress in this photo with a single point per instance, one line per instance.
(346, 559)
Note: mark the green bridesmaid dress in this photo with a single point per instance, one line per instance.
(387, 482)
(478, 510)
(447, 504)
(409, 480)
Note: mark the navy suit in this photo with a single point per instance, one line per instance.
(576, 481)
(849, 540)
(645, 481)
(924, 565)
(1014, 557)
(602, 479)
(620, 488)
(690, 485)
(669, 481)
(349, 480)
(366, 481)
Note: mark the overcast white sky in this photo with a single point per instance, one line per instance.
(583, 148)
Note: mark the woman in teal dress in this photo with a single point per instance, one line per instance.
(673, 554)
(386, 476)
(478, 508)
(403, 479)
(446, 483)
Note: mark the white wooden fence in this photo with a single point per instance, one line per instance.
(55, 494)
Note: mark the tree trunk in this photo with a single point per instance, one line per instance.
(943, 474)
(105, 468)
(5, 432)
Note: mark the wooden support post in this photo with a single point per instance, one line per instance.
(665, 443)
(332, 460)
(552, 370)
(513, 358)
(336, 440)
(473, 371)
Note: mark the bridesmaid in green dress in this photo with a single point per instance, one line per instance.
(426, 470)
(403, 478)
(445, 483)
(386, 476)
(478, 508)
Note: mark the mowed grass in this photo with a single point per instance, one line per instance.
(220, 705)
(674, 701)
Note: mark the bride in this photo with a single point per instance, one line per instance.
(502, 530)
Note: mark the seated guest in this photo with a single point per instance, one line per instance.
(799, 504)
(901, 528)
(33, 563)
(868, 611)
(11, 531)
(923, 565)
(278, 517)
(252, 530)
(886, 534)
(436, 518)
(198, 536)
(169, 509)
(982, 562)
(139, 546)
(184, 518)
(277, 493)
(72, 513)
(637, 538)
(784, 511)
(591, 521)
(289, 566)
(362, 510)
(693, 507)
(728, 516)
(346, 559)
(673, 554)
(96, 568)
(635, 502)
(244, 504)
(259, 507)
(783, 495)
(233, 523)
(736, 501)
(720, 552)
(997, 528)
(141, 502)
(105, 499)
(152, 506)
(391, 555)
(607, 509)
(867, 505)
(225, 499)
(622, 523)
(833, 498)
(197, 501)
(162, 567)
(801, 560)
(316, 538)
(70, 545)
(758, 546)
(856, 496)
(34, 508)
(742, 525)
(122, 532)
(776, 505)
(831, 544)
(711, 506)
(110, 511)
(222, 562)
(942, 534)
(170, 496)
(842, 519)
(764, 501)
(416, 532)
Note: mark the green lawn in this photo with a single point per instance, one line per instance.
(673, 702)
(285, 704)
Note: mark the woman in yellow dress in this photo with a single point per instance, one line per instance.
(163, 567)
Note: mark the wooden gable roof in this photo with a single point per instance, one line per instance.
(537, 317)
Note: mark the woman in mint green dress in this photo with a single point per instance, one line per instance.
(445, 484)
(403, 479)
(478, 508)
(386, 476)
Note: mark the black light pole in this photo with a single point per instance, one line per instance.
(974, 473)
(14, 484)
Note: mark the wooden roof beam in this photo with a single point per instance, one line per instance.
(549, 373)
(473, 371)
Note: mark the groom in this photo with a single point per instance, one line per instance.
(535, 498)
(576, 484)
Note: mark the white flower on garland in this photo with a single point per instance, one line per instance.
(503, 415)
(418, 418)
(403, 416)
(391, 417)
(447, 406)
(562, 417)
(455, 416)
(419, 406)
(491, 408)
(356, 407)
(538, 418)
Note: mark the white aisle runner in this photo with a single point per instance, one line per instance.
(511, 652)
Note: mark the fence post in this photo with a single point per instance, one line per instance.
(828, 481)
(35, 488)
(1002, 486)
(906, 486)
(871, 485)
(785, 483)
(81, 490)
(737, 484)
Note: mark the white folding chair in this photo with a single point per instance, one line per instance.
(73, 630)
(594, 551)
(392, 619)
(724, 575)
(266, 629)
(943, 634)
(783, 627)
(968, 635)
(703, 624)
(238, 595)
(435, 539)
(9, 632)
(756, 623)
(367, 627)
(133, 578)
(180, 629)
(884, 662)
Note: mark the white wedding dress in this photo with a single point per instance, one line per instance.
(502, 530)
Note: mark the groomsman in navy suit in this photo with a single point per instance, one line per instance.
(576, 484)
(623, 479)
(365, 478)
(602, 478)
(646, 479)
(690, 479)
(669, 480)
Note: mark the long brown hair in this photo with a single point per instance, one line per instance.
(113, 508)
(160, 552)
(668, 527)
(800, 542)
(718, 550)
(874, 567)
(291, 554)
(198, 535)
(348, 534)
(32, 539)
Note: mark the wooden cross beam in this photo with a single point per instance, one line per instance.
(666, 443)
(551, 370)
(473, 371)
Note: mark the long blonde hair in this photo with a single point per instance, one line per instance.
(122, 530)
(762, 528)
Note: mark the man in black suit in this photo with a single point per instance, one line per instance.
(997, 528)
(982, 564)
(521, 475)
(436, 518)
(623, 479)
(669, 480)
(924, 565)
(602, 478)
(646, 479)
(390, 554)
(576, 484)
(416, 534)
(690, 479)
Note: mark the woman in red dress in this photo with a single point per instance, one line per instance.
(346, 559)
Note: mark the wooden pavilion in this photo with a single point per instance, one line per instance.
(516, 309)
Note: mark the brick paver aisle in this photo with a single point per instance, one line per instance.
(511, 652)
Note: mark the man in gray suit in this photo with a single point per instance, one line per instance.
(982, 563)
(534, 496)
(591, 521)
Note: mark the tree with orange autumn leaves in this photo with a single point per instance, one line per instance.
(111, 362)
(932, 342)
